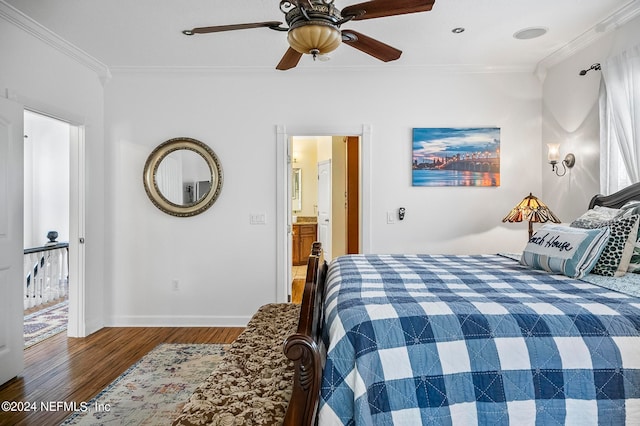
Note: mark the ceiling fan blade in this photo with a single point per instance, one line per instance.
(289, 60)
(380, 8)
(220, 28)
(370, 46)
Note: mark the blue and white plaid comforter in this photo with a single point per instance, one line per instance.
(475, 340)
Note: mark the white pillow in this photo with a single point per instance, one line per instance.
(598, 214)
(631, 208)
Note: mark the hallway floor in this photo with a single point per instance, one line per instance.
(45, 321)
(299, 275)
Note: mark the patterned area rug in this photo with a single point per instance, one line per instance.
(153, 390)
(45, 323)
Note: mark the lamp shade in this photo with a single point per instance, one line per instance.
(315, 39)
(531, 209)
(554, 152)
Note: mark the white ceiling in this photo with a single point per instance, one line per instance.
(147, 33)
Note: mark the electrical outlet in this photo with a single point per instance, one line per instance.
(175, 285)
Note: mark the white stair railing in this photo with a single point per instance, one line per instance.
(46, 272)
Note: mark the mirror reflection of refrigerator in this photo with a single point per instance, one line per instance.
(202, 187)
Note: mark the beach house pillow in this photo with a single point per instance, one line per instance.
(616, 256)
(631, 208)
(565, 250)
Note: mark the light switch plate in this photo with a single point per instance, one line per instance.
(258, 218)
(391, 217)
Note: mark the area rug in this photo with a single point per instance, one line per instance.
(153, 390)
(45, 323)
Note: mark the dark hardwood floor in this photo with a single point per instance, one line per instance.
(75, 370)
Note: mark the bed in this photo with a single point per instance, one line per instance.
(453, 339)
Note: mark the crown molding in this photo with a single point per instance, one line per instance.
(436, 68)
(611, 23)
(33, 28)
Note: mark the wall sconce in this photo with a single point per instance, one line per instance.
(554, 155)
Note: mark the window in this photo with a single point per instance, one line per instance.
(620, 121)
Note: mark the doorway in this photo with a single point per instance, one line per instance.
(47, 143)
(74, 165)
(284, 158)
(325, 200)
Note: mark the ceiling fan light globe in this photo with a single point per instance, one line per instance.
(319, 38)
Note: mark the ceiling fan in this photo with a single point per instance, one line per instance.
(314, 27)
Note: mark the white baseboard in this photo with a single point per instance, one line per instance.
(92, 326)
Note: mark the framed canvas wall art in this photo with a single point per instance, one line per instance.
(449, 156)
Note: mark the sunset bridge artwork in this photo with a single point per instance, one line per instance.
(456, 157)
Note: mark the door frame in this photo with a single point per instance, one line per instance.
(283, 203)
(329, 240)
(76, 322)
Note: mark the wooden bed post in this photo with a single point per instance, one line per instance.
(303, 347)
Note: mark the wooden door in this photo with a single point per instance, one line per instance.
(353, 194)
(11, 236)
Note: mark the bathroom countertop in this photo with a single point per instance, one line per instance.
(306, 219)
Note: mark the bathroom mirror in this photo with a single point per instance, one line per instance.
(296, 189)
(182, 177)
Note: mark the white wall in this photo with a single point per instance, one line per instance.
(570, 117)
(227, 267)
(39, 72)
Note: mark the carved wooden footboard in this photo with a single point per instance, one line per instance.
(304, 347)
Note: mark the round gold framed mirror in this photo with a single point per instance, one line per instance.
(182, 177)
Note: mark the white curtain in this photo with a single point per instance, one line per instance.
(620, 121)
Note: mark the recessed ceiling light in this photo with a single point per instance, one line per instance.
(457, 30)
(529, 33)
